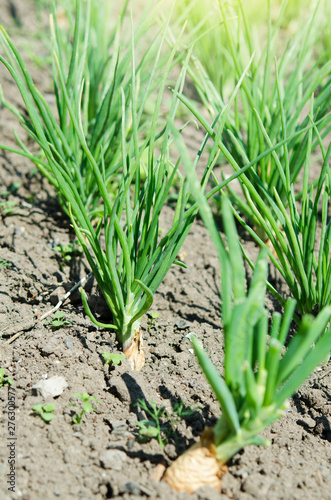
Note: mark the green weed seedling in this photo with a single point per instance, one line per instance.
(68, 251)
(12, 189)
(3, 263)
(163, 423)
(153, 428)
(152, 317)
(58, 320)
(86, 403)
(112, 358)
(3, 379)
(181, 411)
(7, 207)
(45, 411)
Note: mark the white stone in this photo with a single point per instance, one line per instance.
(50, 388)
(112, 459)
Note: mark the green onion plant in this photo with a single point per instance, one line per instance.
(94, 57)
(247, 23)
(298, 231)
(121, 235)
(271, 92)
(288, 228)
(263, 366)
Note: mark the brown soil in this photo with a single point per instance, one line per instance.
(59, 460)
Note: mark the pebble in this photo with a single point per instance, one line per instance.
(170, 451)
(118, 387)
(77, 428)
(103, 490)
(19, 230)
(50, 388)
(117, 427)
(135, 489)
(112, 459)
(68, 342)
(181, 324)
(130, 444)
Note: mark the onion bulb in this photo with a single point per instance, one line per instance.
(135, 352)
(197, 467)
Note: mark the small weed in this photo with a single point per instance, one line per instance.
(163, 423)
(181, 411)
(68, 251)
(152, 316)
(3, 379)
(34, 171)
(45, 411)
(112, 358)
(3, 263)
(58, 320)
(7, 207)
(153, 428)
(86, 403)
(12, 189)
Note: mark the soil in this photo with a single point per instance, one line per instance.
(105, 457)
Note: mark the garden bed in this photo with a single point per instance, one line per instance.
(106, 457)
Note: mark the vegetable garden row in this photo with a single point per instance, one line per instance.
(114, 152)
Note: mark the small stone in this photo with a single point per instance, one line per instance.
(117, 427)
(19, 230)
(77, 428)
(118, 387)
(134, 489)
(181, 324)
(130, 444)
(170, 451)
(50, 388)
(16, 357)
(68, 342)
(112, 459)
(103, 490)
